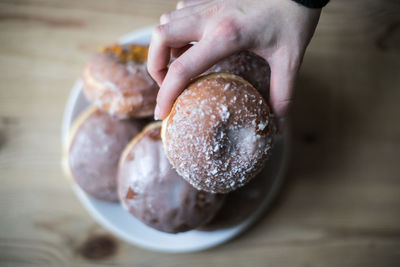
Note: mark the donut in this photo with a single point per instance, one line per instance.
(241, 203)
(116, 80)
(219, 133)
(250, 67)
(151, 190)
(95, 144)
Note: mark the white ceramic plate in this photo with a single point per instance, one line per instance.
(114, 218)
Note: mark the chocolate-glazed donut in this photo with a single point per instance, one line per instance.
(116, 81)
(219, 132)
(95, 145)
(250, 67)
(151, 190)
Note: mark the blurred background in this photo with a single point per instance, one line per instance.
(340, 204)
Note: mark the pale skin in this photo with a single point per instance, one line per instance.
(277, 30)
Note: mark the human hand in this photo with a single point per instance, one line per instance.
(277, 30)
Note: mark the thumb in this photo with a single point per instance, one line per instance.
(283, 76)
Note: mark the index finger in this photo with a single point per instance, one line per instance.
(175, 34)
(190, 64)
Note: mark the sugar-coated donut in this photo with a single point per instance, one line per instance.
(250, 67)
(95, 145)
(241, 203)
(219, 133)
(116, 81)
(151, 190)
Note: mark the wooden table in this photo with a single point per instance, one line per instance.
(340, 205)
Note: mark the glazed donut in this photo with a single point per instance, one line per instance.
(241, 203)
(219, 133)
(250, 67)
(95, 145)
(151, 190)
(116, 81)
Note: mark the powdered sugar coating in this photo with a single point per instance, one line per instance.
(95, 149)
(218, 135)
(122, 88)
(241, 203)
(154, 193)
(250, 67)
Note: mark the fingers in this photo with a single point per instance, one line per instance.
(283, 75)
(190, 64)
(158, 58)
(164, 37)
(186, 11)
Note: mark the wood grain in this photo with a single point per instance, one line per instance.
(339, 207)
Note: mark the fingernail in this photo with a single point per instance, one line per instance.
(156, 113)
(163, 19)
(180, 4)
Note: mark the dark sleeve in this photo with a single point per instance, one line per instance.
(312, 3)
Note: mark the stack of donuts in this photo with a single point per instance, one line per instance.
(203, 167)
